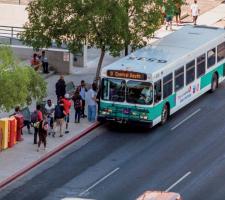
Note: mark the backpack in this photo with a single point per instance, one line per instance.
(77, 103)
(34, 117)
(58, 112)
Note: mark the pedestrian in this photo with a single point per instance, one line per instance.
(92, 104)
(77, 99)
(169, 12)
(177, 12)
(49, 110)
(36, 118)
(195, 11)
(42, 133)
(83, 90)
(67, 105)
(60, 87)
(35, 62)
(26, 122)
(59, 118)
(44, 61)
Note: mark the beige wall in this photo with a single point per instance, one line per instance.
(56, 58)
(13, 15)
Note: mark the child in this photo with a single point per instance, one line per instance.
(43, 131)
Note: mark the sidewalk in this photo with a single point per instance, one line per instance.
(24, 156)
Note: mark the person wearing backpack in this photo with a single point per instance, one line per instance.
(42, 133)
(59, 115)
(36, 118)
(77, 99)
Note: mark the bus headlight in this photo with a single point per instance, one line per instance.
(106, 111)
(144, 117)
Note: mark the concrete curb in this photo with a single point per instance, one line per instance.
(47, 156)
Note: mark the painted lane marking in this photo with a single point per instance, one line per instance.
(177, 182)
(99, 181)
(187, 118)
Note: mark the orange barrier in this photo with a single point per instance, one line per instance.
(1, 139)
(5, 132)
(12, 131)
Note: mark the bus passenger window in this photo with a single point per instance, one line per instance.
(167, 85)
(221, 52)
(179, 78)
(157, 91)
(190, 72)
(200, 65)
(211, 57)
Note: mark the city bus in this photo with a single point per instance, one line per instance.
(154, 82)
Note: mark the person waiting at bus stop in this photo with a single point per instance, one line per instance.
(49, 110)
(26, 122)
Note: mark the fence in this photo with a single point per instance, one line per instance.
(18, 2)
(10, 35)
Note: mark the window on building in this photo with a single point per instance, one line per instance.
(221, 52)
(200, 65)
(167, 85)
(190, 72)
(179, 78)
(211, 57)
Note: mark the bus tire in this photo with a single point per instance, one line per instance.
(165, 114)
(214, 83)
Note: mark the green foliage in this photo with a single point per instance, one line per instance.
(110, 25)
(19, 84)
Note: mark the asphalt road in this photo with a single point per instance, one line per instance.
(186, 155)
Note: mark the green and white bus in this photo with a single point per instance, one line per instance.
(156, 81)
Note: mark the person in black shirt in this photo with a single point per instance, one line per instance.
(77, 99)
(60, 87)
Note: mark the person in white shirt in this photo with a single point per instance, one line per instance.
(91, 102)
(195, 11)
(44, 61)
(49, 110)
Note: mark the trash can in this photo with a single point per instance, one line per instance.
(1, 136)
(19, 119)
(12, 132)
(4, 122)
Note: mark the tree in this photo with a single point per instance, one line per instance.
(110, 25)
(141, 18)
(19, 84)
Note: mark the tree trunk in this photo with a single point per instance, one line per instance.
(97, 77)
(126, 49)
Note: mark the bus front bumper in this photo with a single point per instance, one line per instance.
(142, 122)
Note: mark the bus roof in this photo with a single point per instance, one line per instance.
(163, 53)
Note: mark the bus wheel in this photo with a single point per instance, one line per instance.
(214, 83)
(165, 114)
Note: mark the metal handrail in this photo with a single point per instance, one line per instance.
(11, 31)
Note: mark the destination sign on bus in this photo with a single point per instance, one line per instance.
(127, 74)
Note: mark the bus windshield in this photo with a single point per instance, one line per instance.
(139, 92)
(113, 90)
(136, 92)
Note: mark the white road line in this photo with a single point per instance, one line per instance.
(99, 181)
(177, 182)
(187, 118)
